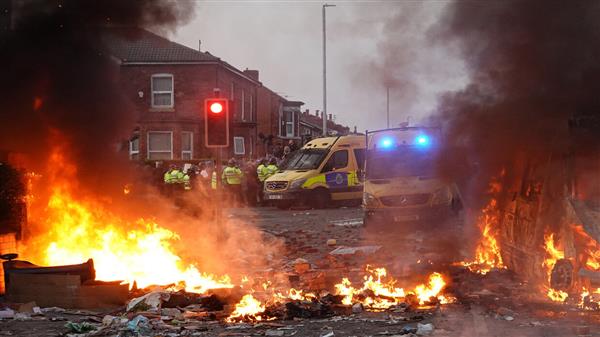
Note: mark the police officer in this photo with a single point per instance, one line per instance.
(262, 173)
(272, 167)
(232, 181)
(173, 178)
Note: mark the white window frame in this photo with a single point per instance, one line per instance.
(235, 148)
(131, 151)
(172, 91)
(148, 144)
(287, 134)
(191, 150)
(243, 105)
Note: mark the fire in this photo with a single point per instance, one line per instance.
(79, 229)
(487, 254)
(591, 249)
(249, 308)
(376, 293)
(552, 253)
(557, 295)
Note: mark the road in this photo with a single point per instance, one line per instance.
(495, 305)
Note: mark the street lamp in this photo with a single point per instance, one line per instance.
(325, 73)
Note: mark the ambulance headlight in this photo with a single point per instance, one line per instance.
(297, 184)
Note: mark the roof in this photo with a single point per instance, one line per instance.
(132, 44)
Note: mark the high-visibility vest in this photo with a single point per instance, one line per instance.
(186, 182)
(262, 172)
(173, 177)
(232, 176)
(213, 180)
(271, 170)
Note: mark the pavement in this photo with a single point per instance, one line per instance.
(497, 304)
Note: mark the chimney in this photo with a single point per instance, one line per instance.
(355, 129)
(322, 115)
(331, 117)
(306, 112)
(317, 113)
(199, 45)
(253, 74)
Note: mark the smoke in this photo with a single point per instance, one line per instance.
(58, 82)
(404, 60)
(532, 66)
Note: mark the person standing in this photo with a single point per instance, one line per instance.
(272, 167)
(261, 173)
(251, 182)
(232, 182)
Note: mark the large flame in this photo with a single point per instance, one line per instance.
(77, 229)
(487, 253)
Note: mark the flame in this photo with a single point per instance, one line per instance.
(377, 293)
(249, 308)
(557, 295)
(79, 229)
(591, 249)
(552, 254)
(487, 253)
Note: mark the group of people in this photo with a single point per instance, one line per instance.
(242, 184)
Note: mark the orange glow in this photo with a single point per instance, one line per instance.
(249, 308)
(557, 295)
(552, 254)
(487, 253)
(76, 229)
(591, 250)
(379, 293)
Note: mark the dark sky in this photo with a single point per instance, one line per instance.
(371, 44)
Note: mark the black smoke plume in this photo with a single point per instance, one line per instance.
(533, 66)
(56, 78)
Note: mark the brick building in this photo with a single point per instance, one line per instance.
(167, 84)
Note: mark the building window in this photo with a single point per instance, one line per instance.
(187, 145)
(160, 145)
(289, 123)
(238, 145)
(250, 108)
(162, 91)
(134, 148)
(243, 105)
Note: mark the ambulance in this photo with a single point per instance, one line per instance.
(401, 179)
(323, 173)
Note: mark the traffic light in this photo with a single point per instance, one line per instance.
(216, 122)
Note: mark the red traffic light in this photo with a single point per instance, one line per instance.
(216, 107)
(216, 122)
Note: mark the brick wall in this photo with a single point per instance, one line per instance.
(191, 85)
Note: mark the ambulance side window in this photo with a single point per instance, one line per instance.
(338, 160)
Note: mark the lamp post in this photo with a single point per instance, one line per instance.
(325, 72)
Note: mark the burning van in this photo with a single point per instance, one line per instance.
(401, 180)
(548, 215)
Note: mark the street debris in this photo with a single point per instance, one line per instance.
(348, 223)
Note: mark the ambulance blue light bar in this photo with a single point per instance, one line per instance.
(386, 142)
(422, 141)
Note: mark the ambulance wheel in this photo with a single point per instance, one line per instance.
(320, 198)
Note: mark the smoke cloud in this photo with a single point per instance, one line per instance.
(58, 81)
(532, 66)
